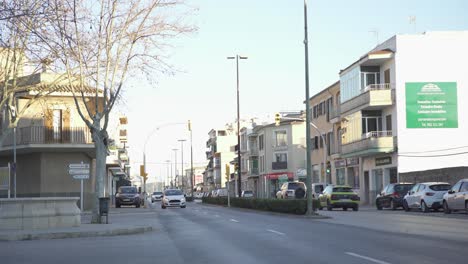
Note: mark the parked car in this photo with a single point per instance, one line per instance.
(318, 188)
(221, 192)
(292, 190)
(173, 198)
(247, 194)
(339, 196)
(456, 198)
(156, 196)
(127, 195)
(392, 195)
(214, 193)
(426, 196)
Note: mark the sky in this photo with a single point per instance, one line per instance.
(270, 33)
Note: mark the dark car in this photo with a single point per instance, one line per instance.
(127, 195)
(392, 195)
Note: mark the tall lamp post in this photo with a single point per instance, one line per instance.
(310, 209)
(239, 181)
(182, 159)
(168, 162)
(191, 157)
(175, 168)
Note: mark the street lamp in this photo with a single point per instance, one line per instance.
(182, 159)
(191, 157)
(310, 209)
(168, 162)
(239, 188)
(175, 166)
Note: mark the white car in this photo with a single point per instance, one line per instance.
(426, 196)
(173, 198)
(247, 194)
(317, 189)
(156, 196)
(457, 197)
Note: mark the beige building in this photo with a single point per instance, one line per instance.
(49, 136)
(324, 108)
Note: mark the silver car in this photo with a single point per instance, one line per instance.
(426, 196)
(173, 198)
(457, 197)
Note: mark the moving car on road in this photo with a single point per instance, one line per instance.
(456, 198)
(156, 196)
(127, 195)
(392, 195)
(318, 188)
(292, 190)
(173, 198)
(426, 196)
(339, 196)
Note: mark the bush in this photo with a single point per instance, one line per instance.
(292, 206)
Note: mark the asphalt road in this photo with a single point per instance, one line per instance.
(210, 234)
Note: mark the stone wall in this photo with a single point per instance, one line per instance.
(450, 175)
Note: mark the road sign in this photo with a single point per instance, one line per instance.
(81, 176)
(78, 171)
(78, 166)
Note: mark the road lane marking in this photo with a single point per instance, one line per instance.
(276, 232)
(366, 258)
(234, 220)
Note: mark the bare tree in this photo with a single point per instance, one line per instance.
(100, 45)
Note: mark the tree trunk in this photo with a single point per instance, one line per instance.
(101, 154)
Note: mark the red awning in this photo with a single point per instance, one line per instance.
(275, 176)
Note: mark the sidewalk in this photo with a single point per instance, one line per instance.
(124, 221)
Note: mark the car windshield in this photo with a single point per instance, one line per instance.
(248, 192)
(128, 190)
(318, 189)
(173, 192)
(342, 189)
(295, 185)
(440, 187)
(403, 188)
(157, 193)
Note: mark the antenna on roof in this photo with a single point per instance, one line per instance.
(412, 20)
(376, 35)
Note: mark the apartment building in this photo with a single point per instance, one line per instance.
(401, 119)
(49, 136)
(219, 152)
(281, 155)
(249, 159)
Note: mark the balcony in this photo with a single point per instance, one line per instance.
(371, 143)
(334, 115)
(49, 135)
(372, 97)
(280, 165)
(253, 172)
(253, 151)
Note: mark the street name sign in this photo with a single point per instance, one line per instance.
(81, 176)
(78, 171)
(79, 166)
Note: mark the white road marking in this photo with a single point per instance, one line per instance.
(234, 220)
(367, 258)
(276, 232)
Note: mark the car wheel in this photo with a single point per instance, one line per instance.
(393, 205)
(183, 206)
(117, 205)
(424, 207)
(345, 208)
(356, 208)
(329, 206)
(405, 206)
(378, 205)
(446, 208)
(137, 205)
(163, 207)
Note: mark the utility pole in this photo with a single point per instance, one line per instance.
(175, 167)
(182, 159)
(191, 157)
(310, 209)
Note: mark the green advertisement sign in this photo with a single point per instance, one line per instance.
(431, 105)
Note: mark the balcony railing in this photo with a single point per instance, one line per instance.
(373, 96)
(371, 143)
(253, 151)
(334, 113)
(253, 171)
(50, 135)
(280, 165)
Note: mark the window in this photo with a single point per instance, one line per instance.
(281, 138)
(388, 122)
(371, 124)
(260, 142)
(312, 143)
(421, 187)
(315, 111)
(281, 157)
(415, 188)
(57, 123)
(456, 187)
(440, 187)
(316, 142)
(464, 187)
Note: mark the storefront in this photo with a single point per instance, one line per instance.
(340, 172)
(352, 173)
(275, 180)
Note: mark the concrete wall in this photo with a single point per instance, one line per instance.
(450, 175)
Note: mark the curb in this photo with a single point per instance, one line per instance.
(316, 216)
(75, 234)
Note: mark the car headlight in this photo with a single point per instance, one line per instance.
(182, 200)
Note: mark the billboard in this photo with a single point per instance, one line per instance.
(431, 105)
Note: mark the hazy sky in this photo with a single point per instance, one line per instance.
(270, 33)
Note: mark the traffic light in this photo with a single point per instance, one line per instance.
(228, 172)
(143, 172)
(328, 168)
(277, 119)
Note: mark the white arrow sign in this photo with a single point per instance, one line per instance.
(78, 166)
(75, 171)
(80, 177)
